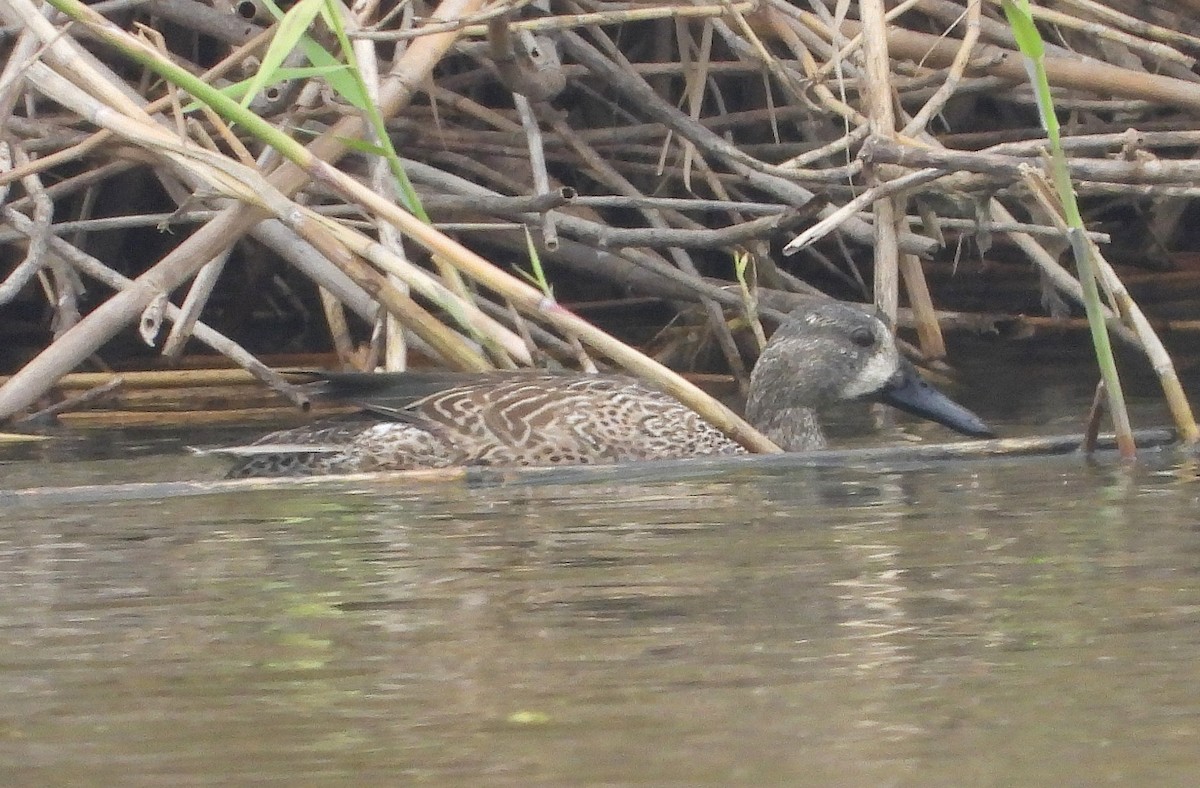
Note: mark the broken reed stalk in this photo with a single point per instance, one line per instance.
(1078, 288)
(92, 267)
(113, 315)
(720, 145)
(1063, 70)
(245, 184)
(230, 178)
(660, 226)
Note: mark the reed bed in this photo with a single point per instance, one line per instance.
(457, 181)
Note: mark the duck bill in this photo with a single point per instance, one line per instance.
(909, 392)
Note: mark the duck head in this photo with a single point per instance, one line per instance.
(833, 352)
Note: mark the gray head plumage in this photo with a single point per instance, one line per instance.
(833, 352)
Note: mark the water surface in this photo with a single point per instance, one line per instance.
(1012, 622)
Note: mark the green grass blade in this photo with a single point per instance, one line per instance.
(290, 29)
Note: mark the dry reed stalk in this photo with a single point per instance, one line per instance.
(94, 268)
(1151, 345)
(177, 418)
(151, 379)
(882, 121)
(742, 110)
(393, 482)
(109, 318)
(1153, 348)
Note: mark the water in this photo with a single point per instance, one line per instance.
(1001, 622)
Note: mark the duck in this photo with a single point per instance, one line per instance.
(823, 353)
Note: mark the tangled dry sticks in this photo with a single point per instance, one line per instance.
(650, 148)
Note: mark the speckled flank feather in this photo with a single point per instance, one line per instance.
(825, 353)
(519, 420)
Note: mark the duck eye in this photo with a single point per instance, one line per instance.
(863, 337)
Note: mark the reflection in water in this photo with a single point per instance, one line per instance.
(983, 623)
